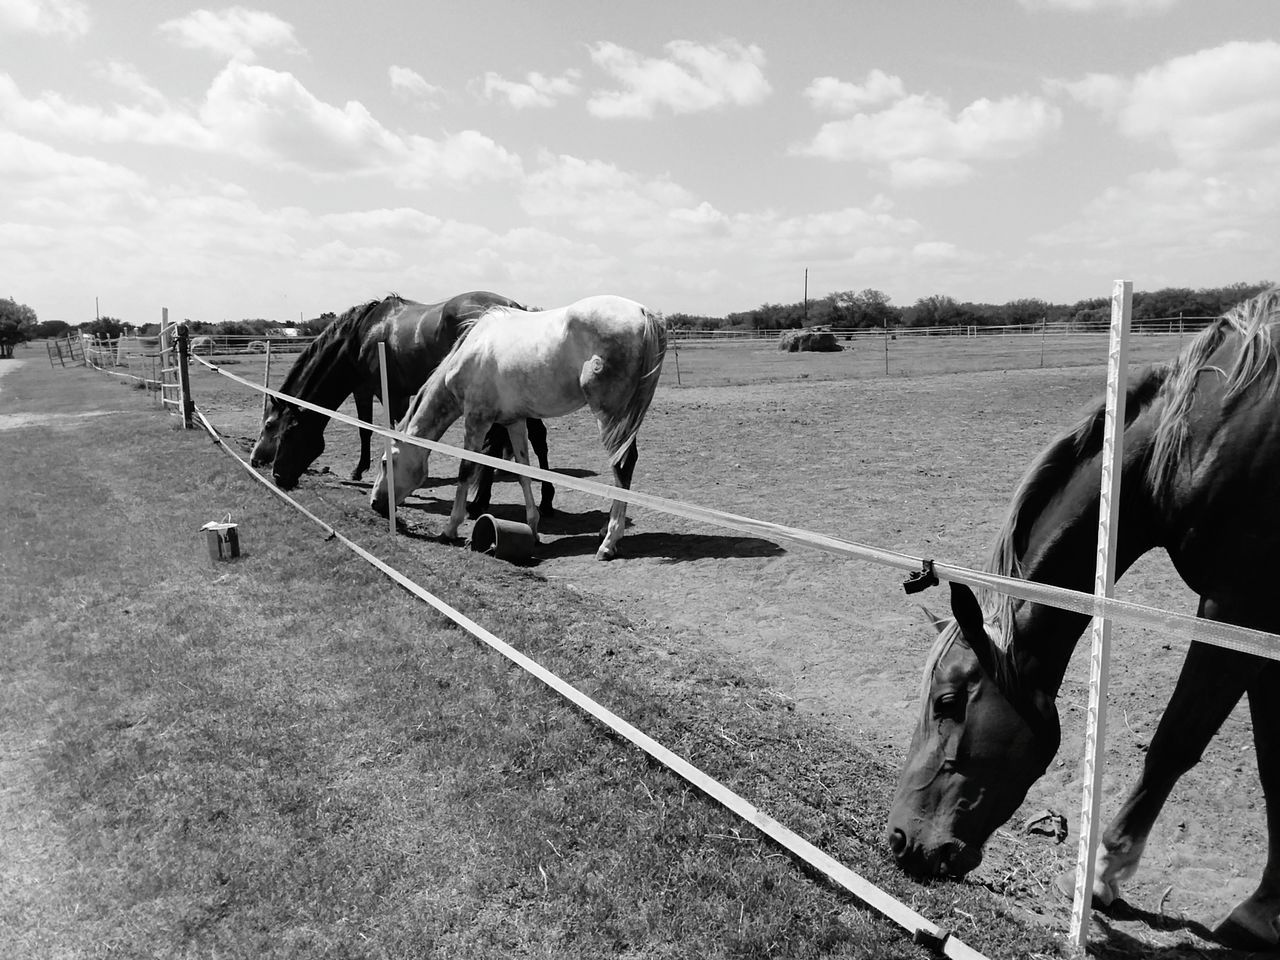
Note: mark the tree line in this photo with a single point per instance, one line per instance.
(840, 310)
(866, 309)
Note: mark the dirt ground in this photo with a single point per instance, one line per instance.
(923, 465)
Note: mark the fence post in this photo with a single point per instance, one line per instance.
(1103, 586)
(266, 382)
(184, 378)
(886, 349)
(387, 443)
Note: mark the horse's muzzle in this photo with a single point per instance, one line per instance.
(950, 859)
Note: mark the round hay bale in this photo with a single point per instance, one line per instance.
(814, 341)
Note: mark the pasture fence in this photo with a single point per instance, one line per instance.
(1099, 605)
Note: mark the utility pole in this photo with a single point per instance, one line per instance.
(805, 322)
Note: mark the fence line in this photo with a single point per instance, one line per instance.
(923, 931)
(1187, 626)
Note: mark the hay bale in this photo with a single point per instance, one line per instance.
(815, 341)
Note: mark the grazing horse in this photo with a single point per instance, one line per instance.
(343, 360)
(602, 352)
(1199, 476)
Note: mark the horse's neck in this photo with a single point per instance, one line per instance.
(326, 378)
(1062, 550)
(435, 412)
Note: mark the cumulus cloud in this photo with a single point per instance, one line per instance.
(1213, 107)
(129, 79)
(236, 32)
(1217, 111)
(536, 90)
(268, 117)
(830, 95)
(917, 138)
(599, 197)
(67, 18)
(1129, 7)
(692, 78)
(410, 83)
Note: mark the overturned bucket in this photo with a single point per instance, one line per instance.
(504, 539)
(222, 539)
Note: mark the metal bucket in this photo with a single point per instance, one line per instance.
(222, 539)
(504, 539)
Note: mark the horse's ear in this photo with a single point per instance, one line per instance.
(938, 623)
(968, 614)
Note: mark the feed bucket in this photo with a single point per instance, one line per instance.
(222, 539)
(504, 539)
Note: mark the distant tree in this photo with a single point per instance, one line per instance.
(104, 328)
(1025, 312)
(17, 325)
(938, 310)
(50, 328)
(309, 328)
(870, 308)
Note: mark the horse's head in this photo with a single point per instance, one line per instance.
(299, 443)
(264, 449)
(408, 471)
(985, 735)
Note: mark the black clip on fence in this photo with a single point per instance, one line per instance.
(922, 579)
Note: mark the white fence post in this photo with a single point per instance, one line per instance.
(387, 441)
(1103, 586)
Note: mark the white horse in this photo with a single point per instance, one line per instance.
(602, 352)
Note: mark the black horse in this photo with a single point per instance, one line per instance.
(343, 361)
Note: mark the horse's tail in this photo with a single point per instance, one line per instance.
(618, 434)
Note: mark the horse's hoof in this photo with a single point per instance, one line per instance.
(357, 475)
(451, 540)
(1105, 898)
(603, 554)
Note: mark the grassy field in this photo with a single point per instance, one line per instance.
(287, 756)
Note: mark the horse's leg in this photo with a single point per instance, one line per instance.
(1210, 685)
(1255, 922)
(537, 431)
(519, 435)
(364, 411)
(495, 445)
(618, 512)
(476, 427)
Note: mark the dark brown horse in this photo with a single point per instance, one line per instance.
(343, 361)
(1201, 473)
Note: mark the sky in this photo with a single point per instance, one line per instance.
(286, 158)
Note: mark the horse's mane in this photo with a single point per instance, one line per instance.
(337, 342)
(1253, 321)
(1171, 385)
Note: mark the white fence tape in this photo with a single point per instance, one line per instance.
(1185, 626)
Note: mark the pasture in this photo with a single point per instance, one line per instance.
(286, 756)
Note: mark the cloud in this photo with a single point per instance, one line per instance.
(236, 32)
(410, 83)
(829, 95)
(52, 114)
(269, 118)
(67, 18)
(1219, 106)
(536, 91)
(599, 197)
(1129, 7)
(1217, 111)
(128, 78)
(692, 78)
(917, 138)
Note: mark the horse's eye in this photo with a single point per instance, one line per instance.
(948, 705)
